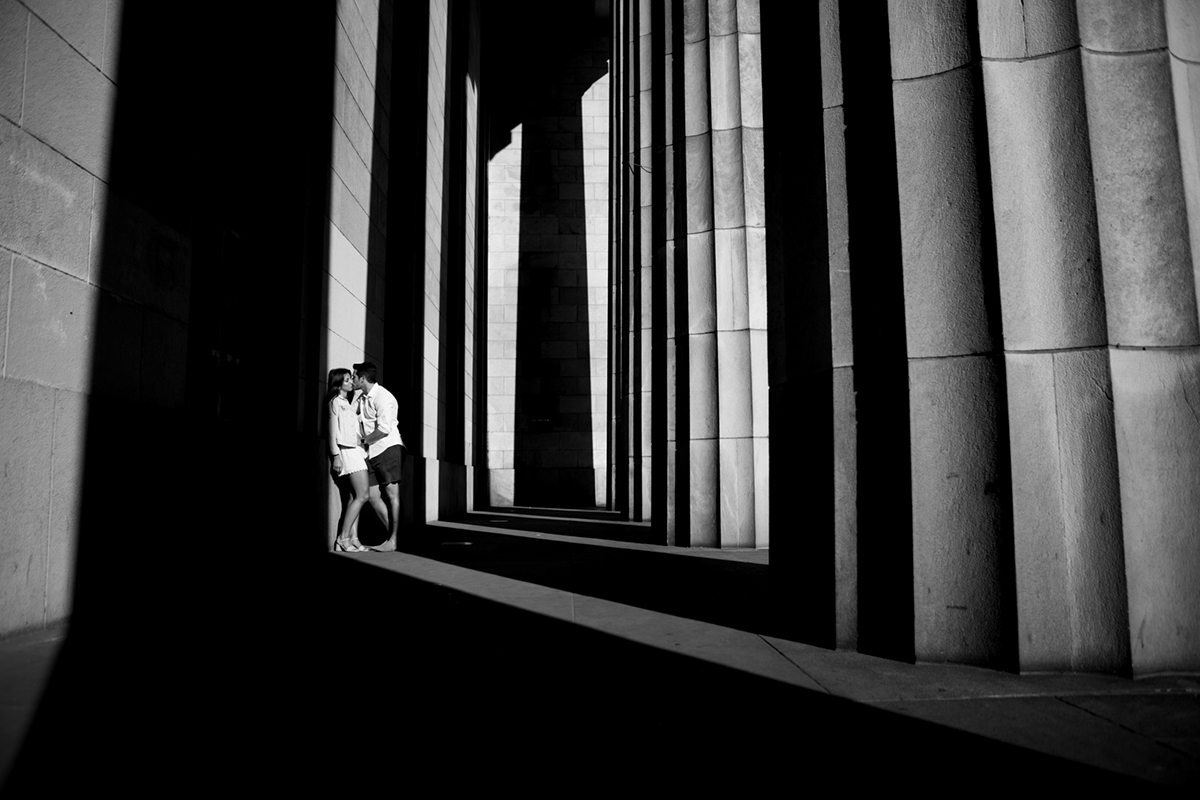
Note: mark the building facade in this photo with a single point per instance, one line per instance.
(924, 273)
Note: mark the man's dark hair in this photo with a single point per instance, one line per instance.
(367, 370)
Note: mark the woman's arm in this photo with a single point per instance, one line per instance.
(335, 432)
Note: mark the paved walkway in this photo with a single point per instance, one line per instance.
(521, 641)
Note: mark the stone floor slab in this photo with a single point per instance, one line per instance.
(1054, 726)
(714, 643)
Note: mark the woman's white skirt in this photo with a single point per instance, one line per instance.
(354, 459)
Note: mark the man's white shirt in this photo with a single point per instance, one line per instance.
(378, 411)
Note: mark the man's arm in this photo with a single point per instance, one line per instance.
(386, 412)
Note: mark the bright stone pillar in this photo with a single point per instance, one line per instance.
(704, 486)
(961, 528)
(1150, 297)
(1066, 503)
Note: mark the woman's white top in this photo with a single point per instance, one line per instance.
(343, 425)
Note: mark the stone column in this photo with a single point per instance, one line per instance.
(841, 332)
(961, 528)
(1066, 503)
(630, 249)
(673, 257)
(1150, 296)
(725, 257)
(801, 377)
(731, 201)
(704, 485)
(504, 225)
(643, 277)
(614, 239)
(431, 438)
(631, 253)
(470, 251)
(619, 451)
(1183, 37)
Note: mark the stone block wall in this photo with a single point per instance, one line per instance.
(547, 297)
(503, 276)
(58, 71)
(406, 279)
(358, 188)
(353, 315)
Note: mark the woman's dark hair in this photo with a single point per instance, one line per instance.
(336, 376)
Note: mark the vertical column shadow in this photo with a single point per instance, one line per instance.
(799, 327)
(682, 397)
(184, 479)
(451, 390)
(658, 302)
(884, 492)
(380, 272)
(402, 296)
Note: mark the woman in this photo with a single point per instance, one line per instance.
(349, 458)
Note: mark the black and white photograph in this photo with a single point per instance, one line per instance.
(599, 397)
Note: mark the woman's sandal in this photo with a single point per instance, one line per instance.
(348, 546)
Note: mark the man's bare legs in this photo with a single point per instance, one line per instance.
(388, 512)
(375, 500)
(392, 493)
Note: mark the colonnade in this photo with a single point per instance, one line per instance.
(690, 270)
(1008, 356)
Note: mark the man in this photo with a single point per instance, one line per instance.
(378, 410)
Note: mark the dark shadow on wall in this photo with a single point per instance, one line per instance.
(203, 428)
(541, 90)
(403, 291)
(455, 336)
(374, 225)
(660, 472)
(552, 452)
(1006, 568)
(799, 334)
(677, 261)
(884, 490)
(394, 229)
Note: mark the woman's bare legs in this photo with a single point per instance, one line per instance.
(358, 496)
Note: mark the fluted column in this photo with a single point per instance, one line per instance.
(961, 528)
(471, 260)
(431, 436)
(841, 332)
(643, 265)
(1183, 38)
(674, 256)
(704, 485)
(1066, 501)
(749, 39)
(622, 183)
(1150, 296)
(617, 187)
(630, 248)
(740, 260)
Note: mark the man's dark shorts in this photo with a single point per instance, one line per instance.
(387, 467)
